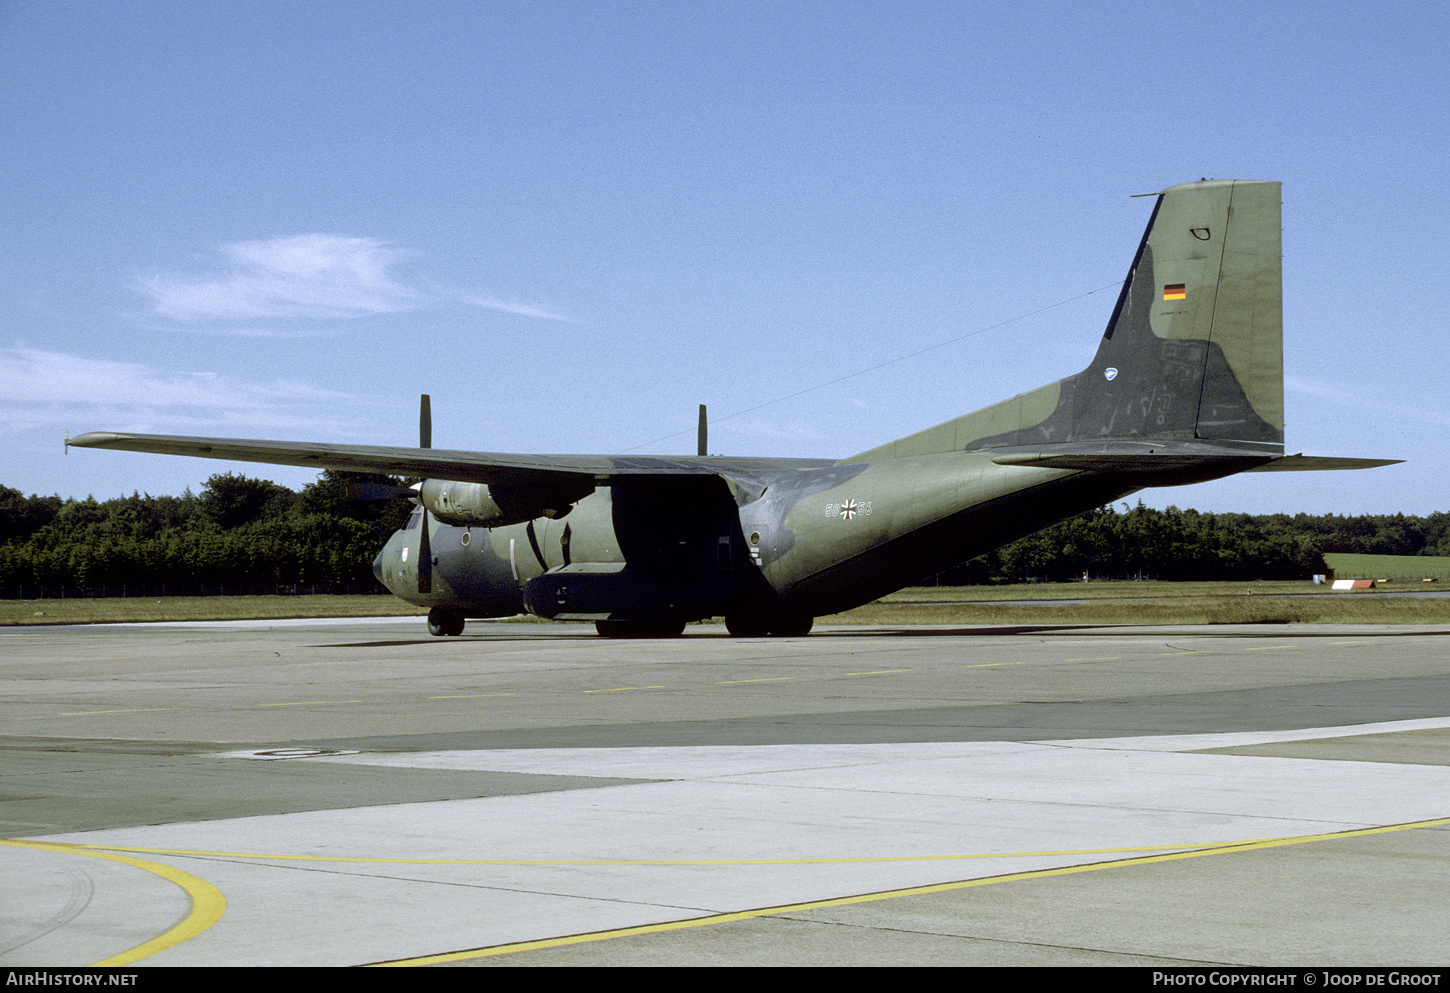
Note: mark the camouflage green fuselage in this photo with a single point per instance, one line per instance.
(818, 541)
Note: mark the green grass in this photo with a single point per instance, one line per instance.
(116, 610)
(1029, 603)
(1149, 603)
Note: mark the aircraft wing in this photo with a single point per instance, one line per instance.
(534, 470)
(439, 463)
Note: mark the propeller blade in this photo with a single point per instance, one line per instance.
(425, 557)
(704, 433)
(425, 547)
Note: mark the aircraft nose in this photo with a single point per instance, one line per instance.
(378, 567)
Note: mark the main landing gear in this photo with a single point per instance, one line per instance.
(772, 625)
(443, 622)
(739, 626)
(640, 629)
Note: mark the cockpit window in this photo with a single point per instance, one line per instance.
(414, 519)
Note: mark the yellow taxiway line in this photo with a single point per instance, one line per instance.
(207, 902)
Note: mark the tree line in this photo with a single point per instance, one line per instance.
(243, 535)
(239, 535)
(1176, 544)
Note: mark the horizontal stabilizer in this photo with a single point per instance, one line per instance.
(1316, 463)
(1170, 461)
(1131, 461)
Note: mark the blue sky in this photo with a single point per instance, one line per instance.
(571, 223)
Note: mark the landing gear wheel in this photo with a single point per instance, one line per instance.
(774, 625)
(792, 626)
(746, 625)
(640, 629)
(443, 622)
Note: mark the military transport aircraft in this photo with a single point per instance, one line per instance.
(1186, 386)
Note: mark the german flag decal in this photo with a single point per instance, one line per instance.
(1175, 291)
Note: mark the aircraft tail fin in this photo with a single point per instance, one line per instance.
(1194, 349)
(1193, 353)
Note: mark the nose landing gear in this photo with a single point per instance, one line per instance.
(443, 622)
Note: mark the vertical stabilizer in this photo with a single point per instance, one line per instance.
(1194, 350)
(1193, 353)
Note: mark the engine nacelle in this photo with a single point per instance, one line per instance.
(497, 505)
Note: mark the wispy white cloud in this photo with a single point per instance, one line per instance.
(308, 276)
(510, 306)
(257, 331)
(41, 388)
(1402, 404)
(1317, 389)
